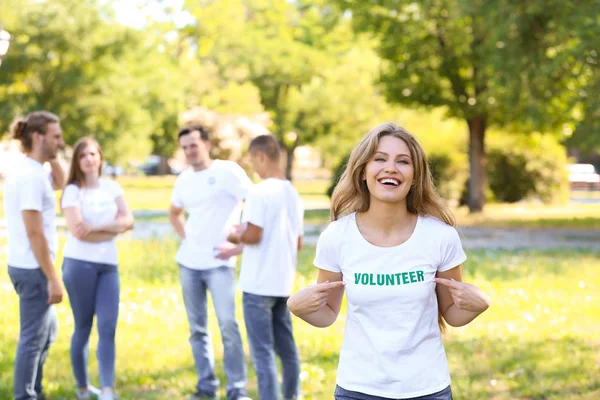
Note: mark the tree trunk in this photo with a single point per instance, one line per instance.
(289, 161)
(163, 166)
(477, 163)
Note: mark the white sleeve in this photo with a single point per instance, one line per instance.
(452, 253)
(327, 255)
(176, 199)
(115, 189)
(70, 197)
(240, 184)
(31, 193)
(300, 214)
(254, 210)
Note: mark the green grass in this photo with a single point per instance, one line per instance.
(539, 340)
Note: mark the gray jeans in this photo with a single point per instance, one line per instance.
(269, 328)
(221, 283)
(37, 332)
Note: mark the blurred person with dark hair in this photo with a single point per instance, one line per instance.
(272, 236)
(211, 192)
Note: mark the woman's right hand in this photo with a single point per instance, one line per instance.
(82, 230)
(312, 298)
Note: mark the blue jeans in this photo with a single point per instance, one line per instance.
(221, 284)
(269, 329)
(93, 290)
(38, 328)
(343, 394)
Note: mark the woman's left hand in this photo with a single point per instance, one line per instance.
(466, 296)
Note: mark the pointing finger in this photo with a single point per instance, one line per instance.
(326, 286)
(447, 282)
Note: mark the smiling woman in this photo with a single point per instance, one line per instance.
(390, 244)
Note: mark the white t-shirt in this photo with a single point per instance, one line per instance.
(269, 267)
(392, 343)
(98, 206)
(28, 187)
(212, 198)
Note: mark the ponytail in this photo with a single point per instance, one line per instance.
(22, 129)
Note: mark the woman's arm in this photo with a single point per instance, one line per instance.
(81, 230)
(122, 223)
(319, 304)
(459, 303)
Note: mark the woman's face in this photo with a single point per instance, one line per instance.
(390, 172)
(90, 160)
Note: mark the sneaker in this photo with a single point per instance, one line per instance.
(203, 396)
(91, 390)
(237, 394)
(94, 390)
(83, 395)
(107, 396)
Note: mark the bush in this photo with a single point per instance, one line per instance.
(532, 166)
(450, 172)
(337, 174)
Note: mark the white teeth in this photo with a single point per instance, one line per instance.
(388, 180)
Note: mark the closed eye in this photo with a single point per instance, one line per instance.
(379, 159)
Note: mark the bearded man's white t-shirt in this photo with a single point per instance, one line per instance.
(212, 197)
(392, 343)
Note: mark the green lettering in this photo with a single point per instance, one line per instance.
(398, 278)
(380, 279)
(389, 280)
(420, 276)
(356, 278)
(413, 277)
(364, 279)
(372, 282)
(405, 278)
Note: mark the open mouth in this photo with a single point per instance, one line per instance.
(389, 182)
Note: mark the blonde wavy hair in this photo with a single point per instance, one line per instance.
(351, 193)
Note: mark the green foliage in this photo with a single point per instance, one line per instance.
(67, 56)
(531, 166)
(337, 174)
(511, 65)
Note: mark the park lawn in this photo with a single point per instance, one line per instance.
(539, 340)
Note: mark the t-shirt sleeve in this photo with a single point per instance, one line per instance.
(115, 189)
(254, 211)
(240, 183)
(176, 199)
(300, 214)
(327, 254)
(31, 193)
(70, 197)
(452, 253)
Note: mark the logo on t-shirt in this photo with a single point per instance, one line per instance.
(401, 278)
(211, 180)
